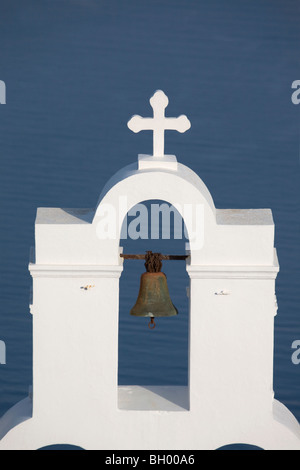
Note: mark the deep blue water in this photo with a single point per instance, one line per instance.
(75, 72)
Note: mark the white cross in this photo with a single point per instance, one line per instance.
(159, 123)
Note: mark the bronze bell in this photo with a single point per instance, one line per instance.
(153, 298)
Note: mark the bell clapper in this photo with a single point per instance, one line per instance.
(151, 324)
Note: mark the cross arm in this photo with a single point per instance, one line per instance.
(180, 124)
(138, 123)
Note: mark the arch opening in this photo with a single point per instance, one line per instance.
(238, 446)
(153, 363)
(61, 447)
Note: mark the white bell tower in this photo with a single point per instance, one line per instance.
(232, 265)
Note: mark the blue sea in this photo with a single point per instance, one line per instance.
(75, 72)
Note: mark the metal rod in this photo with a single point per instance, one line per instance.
(163, 257)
